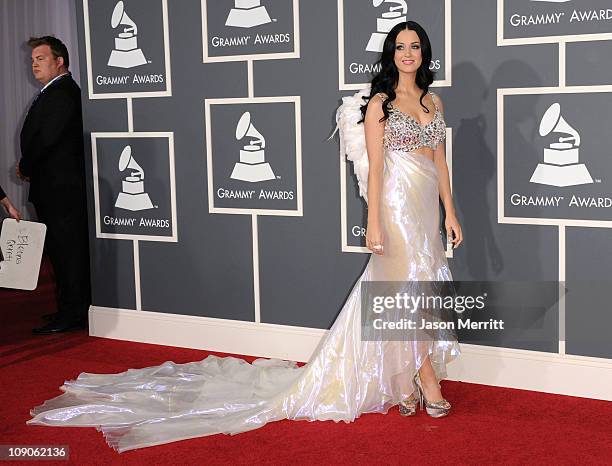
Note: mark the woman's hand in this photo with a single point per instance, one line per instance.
(374, 238)
(13, 212)
(453, 230)
(11, 209)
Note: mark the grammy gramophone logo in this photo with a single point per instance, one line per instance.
(560, 166)
(126, 53)
(247, 14)
(132, 196)
(252, 166)
(394, 15)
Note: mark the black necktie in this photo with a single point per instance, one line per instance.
(41, 91)
(34, 101)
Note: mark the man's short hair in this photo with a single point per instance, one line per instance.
(58, 49)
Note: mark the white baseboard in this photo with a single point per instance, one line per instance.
(503, 367)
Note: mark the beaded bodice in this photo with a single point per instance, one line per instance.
(404, 133)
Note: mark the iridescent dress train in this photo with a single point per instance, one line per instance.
(345, 376)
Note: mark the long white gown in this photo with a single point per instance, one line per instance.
(345, 376)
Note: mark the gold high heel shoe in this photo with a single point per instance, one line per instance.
(408, 406)
(434, 409)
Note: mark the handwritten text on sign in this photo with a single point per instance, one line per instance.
(21, 244)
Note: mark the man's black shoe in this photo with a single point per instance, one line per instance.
(58, 327)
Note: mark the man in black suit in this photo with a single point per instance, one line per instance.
(52, 159)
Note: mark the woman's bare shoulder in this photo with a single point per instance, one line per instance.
(437, 100)
(374, 111)
(381, 96)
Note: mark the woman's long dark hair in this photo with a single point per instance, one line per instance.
(388, 76)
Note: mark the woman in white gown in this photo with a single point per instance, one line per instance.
(400, 164)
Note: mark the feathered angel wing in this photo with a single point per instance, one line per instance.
(352, 137)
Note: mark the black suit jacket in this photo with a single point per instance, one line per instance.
(2, 194)
(52, 152)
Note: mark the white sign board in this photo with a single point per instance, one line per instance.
(21, 244)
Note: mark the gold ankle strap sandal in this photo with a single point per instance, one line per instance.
(408, 407)
(434, 408)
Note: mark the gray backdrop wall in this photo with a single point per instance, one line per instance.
(197, 87)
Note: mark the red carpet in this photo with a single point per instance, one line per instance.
(488, 425)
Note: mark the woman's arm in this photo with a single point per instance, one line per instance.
(10, 208)
(453, 229)
(374, 132)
